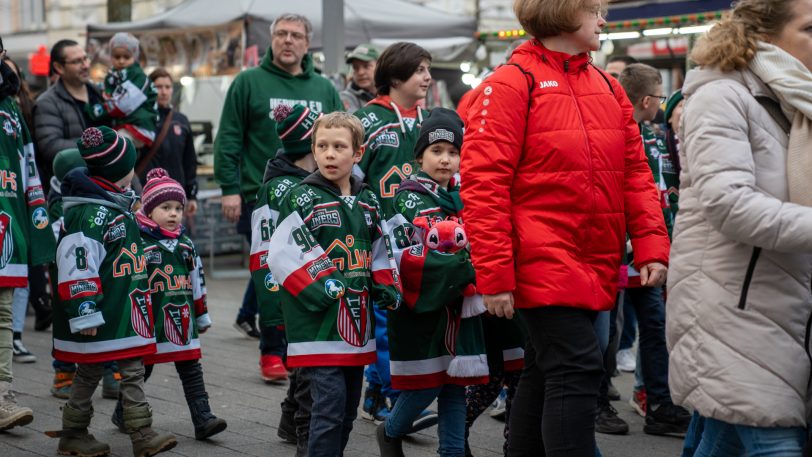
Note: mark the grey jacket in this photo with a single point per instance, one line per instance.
(739, 301)
(355, 98)
(58, 123)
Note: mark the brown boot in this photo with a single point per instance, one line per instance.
(74, 438)
(146, 442)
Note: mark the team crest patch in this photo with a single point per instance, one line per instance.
(387, 139)
(115, 232)
(8, 128)
(87, 308)
(441, 135)
(353, 323)
(6, 239)
(169, 244)
(153, 257)
(40, 218)
(176, 323)
(334, 288)
(177, 130)
(270, 283)
(141, 313)
(83, 287)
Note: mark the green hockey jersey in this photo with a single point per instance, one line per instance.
(25, 235)
(332, 259)
(434, 339)
(129, 102)
(281, 175)
(177, 290)
(389, 141)
(101, 275)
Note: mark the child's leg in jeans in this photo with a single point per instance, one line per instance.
(409, 405)
(354, 382)
(304, 403)
(451, 427)
(328, 389)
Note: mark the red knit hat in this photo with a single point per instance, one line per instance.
(161, 188)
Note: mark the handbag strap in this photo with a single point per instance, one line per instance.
(139, 168)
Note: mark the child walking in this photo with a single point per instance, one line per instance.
(293, 163)
(436, 341)
(330, 254)
(103, 310)
(129, 94)
(178, 292)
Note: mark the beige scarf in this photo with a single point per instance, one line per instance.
(791, 81)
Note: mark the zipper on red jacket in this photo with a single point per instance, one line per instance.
(588, 152)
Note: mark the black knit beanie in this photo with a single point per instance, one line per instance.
(442, 124)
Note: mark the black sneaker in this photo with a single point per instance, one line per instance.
(666, 419)
(608, 422)
(20, 354)
(247, 327)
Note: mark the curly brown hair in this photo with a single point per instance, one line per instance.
(732, 43)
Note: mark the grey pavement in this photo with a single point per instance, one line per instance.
(251, 407)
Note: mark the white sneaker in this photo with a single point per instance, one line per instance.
(626, 360)
(21, 354)
(498, 406)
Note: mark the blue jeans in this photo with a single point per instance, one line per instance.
(451, 415)
(19, 305)
(720, 439)
(336, 392)
(629, 327)
(378, 372)
(694, 435)
(650, 309)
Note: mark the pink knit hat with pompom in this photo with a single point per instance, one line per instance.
(161, 188)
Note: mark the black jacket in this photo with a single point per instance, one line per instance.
(176, 154)
(58, 123)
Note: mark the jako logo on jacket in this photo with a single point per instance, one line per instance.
(544, 84)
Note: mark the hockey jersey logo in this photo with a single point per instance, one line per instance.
(6, 239)
(176, 323)
(141, 313)
(354, 325)
(451, 330)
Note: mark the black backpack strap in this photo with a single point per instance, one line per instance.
(775, 111)
(531, 83)
(605, 78)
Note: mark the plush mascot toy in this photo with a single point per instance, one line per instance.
(446, 236)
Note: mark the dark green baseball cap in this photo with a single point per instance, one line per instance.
(364, 52)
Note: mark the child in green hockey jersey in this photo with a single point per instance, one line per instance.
(330, 255)
(293, 163)
(178, 294)
(129, 94)
(102, 310)
(391, 122)
(435, 341)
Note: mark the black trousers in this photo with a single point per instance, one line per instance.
(555, 406)
(190, 373)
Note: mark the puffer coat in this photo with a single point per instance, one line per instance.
(739, 302)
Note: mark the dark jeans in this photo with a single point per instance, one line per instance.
(610, 353)
(649, 307)
(298, 402)
(271, 339)
(629, 333)
(190, 373)
(336, 392)
(555, 406)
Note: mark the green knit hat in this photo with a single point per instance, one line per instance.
(672, 103)
(106, 153)
(294, 125)
(67, 160)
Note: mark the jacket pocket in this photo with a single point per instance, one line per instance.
(748, 277)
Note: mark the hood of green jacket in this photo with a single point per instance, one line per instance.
(308, 70)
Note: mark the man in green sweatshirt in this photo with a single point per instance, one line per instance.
(247, 136)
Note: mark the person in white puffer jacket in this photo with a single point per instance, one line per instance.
(739, 305)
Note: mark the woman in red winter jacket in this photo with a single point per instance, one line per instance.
(553, 177)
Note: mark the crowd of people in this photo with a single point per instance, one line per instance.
(512, 249)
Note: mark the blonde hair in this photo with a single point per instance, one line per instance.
(732, 43)
(341, 120)
(547, 18)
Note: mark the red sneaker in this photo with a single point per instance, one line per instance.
(272, 368)
(638, 401)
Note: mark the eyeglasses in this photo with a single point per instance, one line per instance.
(78, 61)
(283, 34)
(598, 11)
(662, 98)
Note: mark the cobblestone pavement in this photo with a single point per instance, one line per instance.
(251, 407)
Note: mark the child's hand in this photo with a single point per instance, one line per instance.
(89, 331)
(202, 330)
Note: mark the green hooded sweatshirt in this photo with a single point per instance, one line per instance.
(247, 137)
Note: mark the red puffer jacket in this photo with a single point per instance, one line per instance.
(549, 194)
